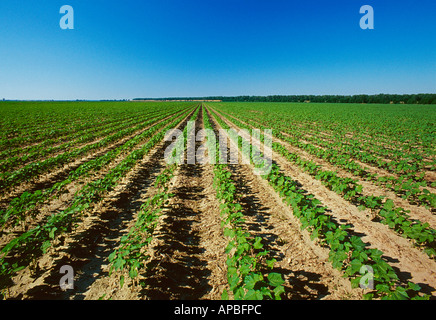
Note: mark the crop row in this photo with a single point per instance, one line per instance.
(248, 268)
(75, 130)
(347, 252)
(9, 179)
(19, 207)
(25, 124)
(410, 185)
(130, 255)
(36, 241)
(33, 126)
(399, 160)
(17, 157)
(410, 130)
(405, 185)
(396, 218)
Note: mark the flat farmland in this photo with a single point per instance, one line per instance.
(217, 200)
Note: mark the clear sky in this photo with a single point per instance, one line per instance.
(183, 48)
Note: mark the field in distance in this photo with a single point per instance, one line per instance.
(90, 208)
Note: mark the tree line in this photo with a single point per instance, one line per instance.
(421, 98)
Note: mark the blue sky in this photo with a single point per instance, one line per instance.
(181, 48)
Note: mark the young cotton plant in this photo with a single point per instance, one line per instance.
(130, 255)
(246, 260)
(248, 268)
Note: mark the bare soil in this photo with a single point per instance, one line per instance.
(411, 263)
(305, 266)
(87, 248)
(187, 258)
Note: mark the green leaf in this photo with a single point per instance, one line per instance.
(229, 232)
(112, 256)
(245, 268)
(233, 281)
(397, 295)
(45, 246)
(52, 231)
(239, 294)
(250, 295)
(225, 295)
(230, 246)
(382, 288)
(265, 292)
(133, 273)
(368, 296)
(388, 205)
(275, 279)
(270, 263)
(17, 268)
(121, 281)
(354, 267)
(231, 262)
(257, 244)
(355, 282)
(413, 286)
(250, 282)
(278, 291)
(357, 243)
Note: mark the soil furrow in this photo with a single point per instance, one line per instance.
(87, 248)
(188, 260)
(429, 175)
(304, 266)
(48, 179)
(63, 200)
(411, 263)
(416, 211)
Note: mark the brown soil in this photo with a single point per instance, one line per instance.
(187, 254)
(369, 188)
(73, 144)
(430, 176)
(411, 263)
(47, 180)
(59, 201)
(305, 266)
(188, 260)
(86, 248)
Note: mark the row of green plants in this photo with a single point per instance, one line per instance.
(24, 207)
(347, 252)
(396, 218)
(401, 133)
(398, 160)
(32, 127)
(52, 142)
(130, 256)
(34, 169)
(249, 271)
(410, 184)
(24, 249)
(19, 157)
(29, 123)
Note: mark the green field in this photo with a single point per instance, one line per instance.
(352, 188)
